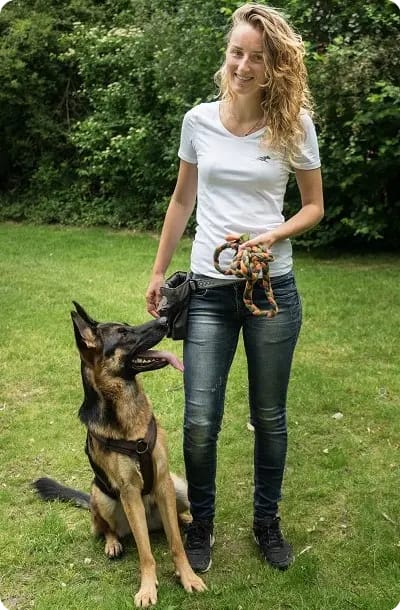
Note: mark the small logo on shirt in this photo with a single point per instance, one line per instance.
(266, 158)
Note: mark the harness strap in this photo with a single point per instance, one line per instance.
(140, 449)
(100, 478)
(247, 264)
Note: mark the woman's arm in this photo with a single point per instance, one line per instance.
(310, 214)
(179, 211)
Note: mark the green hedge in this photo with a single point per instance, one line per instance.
(92, 96)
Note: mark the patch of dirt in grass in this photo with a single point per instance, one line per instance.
(17, 603)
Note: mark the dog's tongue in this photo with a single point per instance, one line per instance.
(168, 356)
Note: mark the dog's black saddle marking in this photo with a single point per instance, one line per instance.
(137, 450)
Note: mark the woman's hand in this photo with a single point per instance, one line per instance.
(264, 239)
(153, 295)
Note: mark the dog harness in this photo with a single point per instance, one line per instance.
(248, 263)
(139, 450)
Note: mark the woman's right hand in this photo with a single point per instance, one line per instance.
(153, 295)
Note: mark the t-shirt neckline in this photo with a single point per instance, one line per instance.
(233, 135)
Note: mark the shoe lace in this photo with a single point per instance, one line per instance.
(271, 535)
(197, 534)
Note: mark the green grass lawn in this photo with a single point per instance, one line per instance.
(341, 506)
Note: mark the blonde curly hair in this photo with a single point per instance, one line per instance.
(286, 91)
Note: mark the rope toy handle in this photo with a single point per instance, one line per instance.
(248, 263)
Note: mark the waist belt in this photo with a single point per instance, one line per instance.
(204, 282)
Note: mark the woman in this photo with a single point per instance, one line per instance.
(235, 156)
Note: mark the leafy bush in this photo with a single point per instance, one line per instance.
(359, 140)
(354, 71)
(92, 98)
(138, 84)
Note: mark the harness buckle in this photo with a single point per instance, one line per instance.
(141, 446)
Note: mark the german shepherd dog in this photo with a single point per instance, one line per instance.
(133, 490)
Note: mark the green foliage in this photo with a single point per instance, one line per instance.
(29, 118)
(138, 84)
(37, 96)
(320, 22)
(354, 70)
(92, 97)
(359, 138)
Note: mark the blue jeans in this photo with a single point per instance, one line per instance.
(215, 320)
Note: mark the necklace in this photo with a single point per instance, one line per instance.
(255, 127)
(229, 116)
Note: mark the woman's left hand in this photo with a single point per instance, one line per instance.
(264, 239)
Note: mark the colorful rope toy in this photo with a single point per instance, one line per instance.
(248, 263)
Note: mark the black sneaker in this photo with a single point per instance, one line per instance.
(198, 543)
(273, 547)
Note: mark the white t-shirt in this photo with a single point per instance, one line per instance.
(241, 186)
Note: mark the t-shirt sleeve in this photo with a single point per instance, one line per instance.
(308, 155)
(187, 151)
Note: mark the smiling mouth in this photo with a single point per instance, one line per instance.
(244, 79)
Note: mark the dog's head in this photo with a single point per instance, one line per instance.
(120, 349)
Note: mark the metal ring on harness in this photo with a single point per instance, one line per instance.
(141, 446)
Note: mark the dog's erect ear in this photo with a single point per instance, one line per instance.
(84, 315)
(85, 336)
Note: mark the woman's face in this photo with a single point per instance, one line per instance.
(245, 61)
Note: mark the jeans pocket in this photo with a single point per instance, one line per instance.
(286, 296)
(288, 299)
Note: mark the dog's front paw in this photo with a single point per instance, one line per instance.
(191, 581)
(146, 596)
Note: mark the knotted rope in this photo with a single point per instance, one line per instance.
(248, 263)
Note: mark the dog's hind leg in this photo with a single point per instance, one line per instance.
(182, 501)
(113, 547)
(107, 517)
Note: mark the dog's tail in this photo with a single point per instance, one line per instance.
(50, 490)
